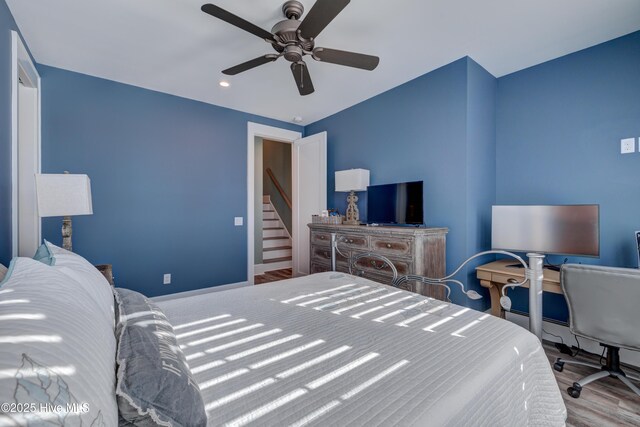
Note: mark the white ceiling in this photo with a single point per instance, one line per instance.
(171, 46)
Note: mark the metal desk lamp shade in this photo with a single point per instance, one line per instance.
(352, 180)
(64, 195)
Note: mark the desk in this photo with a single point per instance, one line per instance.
(495, 275)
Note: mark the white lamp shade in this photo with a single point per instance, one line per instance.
(352, 180)
(63, 195)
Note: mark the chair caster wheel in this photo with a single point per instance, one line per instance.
(575, 390)
(558, 366)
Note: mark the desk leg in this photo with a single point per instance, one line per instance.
(495, 291)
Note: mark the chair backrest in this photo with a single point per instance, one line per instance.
(604, 303)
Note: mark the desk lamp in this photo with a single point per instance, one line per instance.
(63, 195)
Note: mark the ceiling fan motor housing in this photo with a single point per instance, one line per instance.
(286, 32)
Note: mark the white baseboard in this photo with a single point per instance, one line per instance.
(626, 356)
(185, 294)
(263, 268)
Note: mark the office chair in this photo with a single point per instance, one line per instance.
(603, 306)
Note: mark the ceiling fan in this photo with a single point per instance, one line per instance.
(295, 39)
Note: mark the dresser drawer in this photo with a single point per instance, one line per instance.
(323, 254)
(319, 268)
(391, 245)
(379, 267)
(356, 241)
(380, 278)
(320, 238)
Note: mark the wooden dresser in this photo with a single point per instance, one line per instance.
(412, 250)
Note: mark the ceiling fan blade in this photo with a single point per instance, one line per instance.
(349, 59)
(232, 19)
(320, 15)
(261, 60)
(302, 77)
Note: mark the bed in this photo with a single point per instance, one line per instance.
(325, 349)
(336, 349)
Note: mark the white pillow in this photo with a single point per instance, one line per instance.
(3, 271)
(56, 349)
(82, 271)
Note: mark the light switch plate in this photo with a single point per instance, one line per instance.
(628, 145)
(166, 279)
(238, 221)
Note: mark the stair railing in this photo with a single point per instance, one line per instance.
(286, 198)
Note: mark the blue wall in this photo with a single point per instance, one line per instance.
(168, 175)
(558, 142)
(7, 24)
(419, 131)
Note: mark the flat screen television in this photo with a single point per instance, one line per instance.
(547, 229)
(395, 204)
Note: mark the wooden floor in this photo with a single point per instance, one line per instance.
(273, 276)
(606, 402)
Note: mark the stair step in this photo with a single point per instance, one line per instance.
(271, 261)
(273, 228)
(274, 232)
(276, 248)
(275, 238)
(269, 215)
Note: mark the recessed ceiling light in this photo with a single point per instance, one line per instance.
(224, 83)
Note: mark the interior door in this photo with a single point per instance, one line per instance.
(309, 193)
(28, 167)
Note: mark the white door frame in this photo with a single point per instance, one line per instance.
(274, 134)
(22, 69)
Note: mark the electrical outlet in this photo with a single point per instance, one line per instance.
(166, 280)
(238, 221)
(627, 145)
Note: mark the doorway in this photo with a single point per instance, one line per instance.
(273, 183)
(25, 150)
(308, 191)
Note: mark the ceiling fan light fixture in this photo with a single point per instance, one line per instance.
(224, 83)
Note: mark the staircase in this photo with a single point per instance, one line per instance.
(276, 241)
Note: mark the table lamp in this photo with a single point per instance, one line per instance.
(352, 180)
(63, 195)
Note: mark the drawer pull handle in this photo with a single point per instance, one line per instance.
(378, 267)
(321, 237)
(389, 245)
(350, 240)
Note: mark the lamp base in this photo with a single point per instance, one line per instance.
(353, 215)
(66, 233)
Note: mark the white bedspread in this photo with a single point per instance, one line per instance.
(333, 349)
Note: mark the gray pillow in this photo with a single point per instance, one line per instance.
(154, 383)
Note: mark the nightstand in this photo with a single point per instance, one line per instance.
(107, 272)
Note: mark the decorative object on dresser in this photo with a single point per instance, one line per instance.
(64, 195)
(419, 251)
(352, 180)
